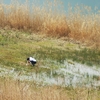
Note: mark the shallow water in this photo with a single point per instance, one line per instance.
(66, 74)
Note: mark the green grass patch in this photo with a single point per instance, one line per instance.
(16, 46)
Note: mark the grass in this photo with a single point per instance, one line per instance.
(51, 37)
(15, 49)
(80, 23)
(17, 90)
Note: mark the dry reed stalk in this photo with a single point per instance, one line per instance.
(49, 20)
(17, 90)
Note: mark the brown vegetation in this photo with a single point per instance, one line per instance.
(17, 90)
(48, 19)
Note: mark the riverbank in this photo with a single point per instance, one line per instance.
(59, 61)
(65, 64)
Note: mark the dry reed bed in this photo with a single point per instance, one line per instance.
(17, 90)
(48, 19)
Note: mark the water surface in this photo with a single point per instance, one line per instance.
(94, 4)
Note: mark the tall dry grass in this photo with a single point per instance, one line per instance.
(79, 24)
(84, 25)
(17, 90)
